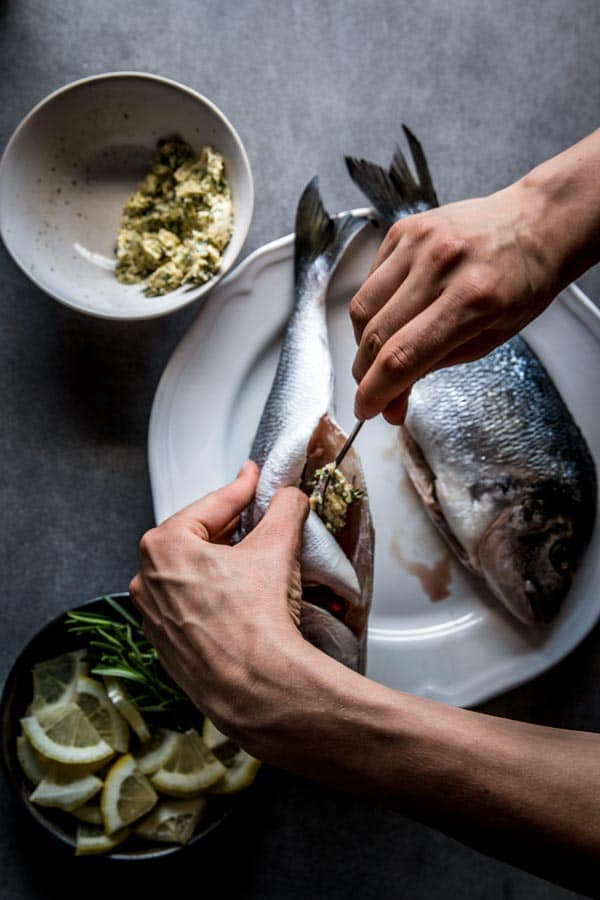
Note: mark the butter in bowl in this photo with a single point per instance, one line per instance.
(125, 195)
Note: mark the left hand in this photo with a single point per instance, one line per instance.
(218, 615)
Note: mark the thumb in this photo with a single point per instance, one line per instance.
(280, 529)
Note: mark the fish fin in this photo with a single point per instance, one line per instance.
(320, 235)
(422, 166)
(396, 193)
(376, 184)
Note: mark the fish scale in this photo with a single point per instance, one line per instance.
(489, 412)
(502, 468)
(298, 422)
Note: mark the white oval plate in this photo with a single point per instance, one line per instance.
(462, 649)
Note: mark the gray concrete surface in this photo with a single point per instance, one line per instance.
(491, 88)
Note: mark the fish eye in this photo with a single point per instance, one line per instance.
(561, 555)
(326, 600)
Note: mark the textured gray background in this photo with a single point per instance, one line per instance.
(491, 88)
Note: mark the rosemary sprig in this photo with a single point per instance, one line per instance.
(117, 646)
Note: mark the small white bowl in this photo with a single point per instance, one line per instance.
(69, 168)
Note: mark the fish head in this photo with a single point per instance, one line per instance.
(530, 552)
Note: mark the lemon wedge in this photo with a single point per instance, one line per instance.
(173, 821)
(55, 790)
(37, 766)
(191, 768)
(240, 774)
(156, 751)
(211, 735)
(92, 699)
(29, 760)
(88, 812)
(222, 746)
(54, 680)
(93, 839)
(119, 695)
(127, 795)
(64, 734)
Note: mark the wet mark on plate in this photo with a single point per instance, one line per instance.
(435, 578)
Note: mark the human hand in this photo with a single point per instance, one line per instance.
(218, 615)
(446, 286)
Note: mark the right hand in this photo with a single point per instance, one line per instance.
(447, 286)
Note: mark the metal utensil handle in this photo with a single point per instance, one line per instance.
(348, 443)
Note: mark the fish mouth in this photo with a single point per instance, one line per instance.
(529, 555)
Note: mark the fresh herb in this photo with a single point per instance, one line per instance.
(118, 647)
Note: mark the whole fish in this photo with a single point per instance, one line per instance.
(490, 446)
(297, 434)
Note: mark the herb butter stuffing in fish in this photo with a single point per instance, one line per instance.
(178, 222)
(332, 496)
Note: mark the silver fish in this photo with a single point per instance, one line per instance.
(297, 433)
(501, 466)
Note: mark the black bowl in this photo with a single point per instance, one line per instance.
(52, 640)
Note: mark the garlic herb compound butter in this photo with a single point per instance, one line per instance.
(178, 222)
(331, 502)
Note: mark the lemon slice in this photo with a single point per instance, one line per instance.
(55, 790)
(211, 735)
(240, 774)
(91, 697)
(126, 706)
(65, 735)
(191, 768)
(173, 822)
(37, 766)
(222, 746)
(54, 680)
(127, 795)
(88, 812)
(156, 751)
(93, 839)
(30, 762)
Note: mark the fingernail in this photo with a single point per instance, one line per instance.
(243, 468)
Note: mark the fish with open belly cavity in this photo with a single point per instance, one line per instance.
(490, 446)
(297, 434)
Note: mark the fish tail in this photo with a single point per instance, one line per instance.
(318, 235)
(396, 192)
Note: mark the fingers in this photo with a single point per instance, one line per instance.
(474, 349)
(376, 291)
(414, 294)
(395, 412)
(213, 513)
(387, 246)
(135, 588)
(281, 526)
(224, 536)
(416, 349)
